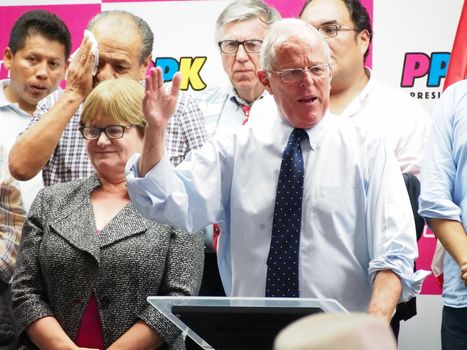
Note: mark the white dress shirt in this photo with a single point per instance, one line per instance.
(389, 114)
(356, 215)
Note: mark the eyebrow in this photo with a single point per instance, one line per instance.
(242, 40)
(328, 22)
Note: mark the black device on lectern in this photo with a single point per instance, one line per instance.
(240, 323)
(238, 327)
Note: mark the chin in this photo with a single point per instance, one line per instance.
(243, 84)
(305, 123)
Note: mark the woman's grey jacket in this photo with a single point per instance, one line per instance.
(62, 262)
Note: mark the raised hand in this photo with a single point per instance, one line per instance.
(159, 104)
(79, 73)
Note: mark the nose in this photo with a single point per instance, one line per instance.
(241, 54)
(103, 140)
(105, 72)
(307, 79)
(42, 71)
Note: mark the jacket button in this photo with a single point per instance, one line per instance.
(105, 301)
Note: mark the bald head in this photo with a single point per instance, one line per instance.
(124, 21)
(125, 45)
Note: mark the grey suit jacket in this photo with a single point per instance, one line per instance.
(62, 262)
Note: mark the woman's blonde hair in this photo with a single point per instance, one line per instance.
(120, 99)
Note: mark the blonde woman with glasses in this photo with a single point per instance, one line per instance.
(88, 260)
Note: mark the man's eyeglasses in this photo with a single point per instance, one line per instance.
(298, 74)
(111, 131)
(331, 30)
(231, 46)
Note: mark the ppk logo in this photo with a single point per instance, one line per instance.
(419, 65)
(190, 67)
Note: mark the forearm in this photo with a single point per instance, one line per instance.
(153, 149)
(47, 333)
(139, 337)
(36, 145)
(387, 289)
(452, 236)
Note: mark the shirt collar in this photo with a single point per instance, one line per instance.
(359, 101)
(315, 134)
(4, 102)
(233, 96)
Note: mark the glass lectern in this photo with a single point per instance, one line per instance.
(237, 323)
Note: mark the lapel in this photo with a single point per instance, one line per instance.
(75, 221)
(128, 222)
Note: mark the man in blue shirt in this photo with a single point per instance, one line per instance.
(356, 242)
(443, 202)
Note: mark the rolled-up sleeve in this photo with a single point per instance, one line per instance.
(392, 242)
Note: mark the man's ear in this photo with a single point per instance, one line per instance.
(145, 66)
(67, 64)
(7, 57)
(263, 78)
(363, 41)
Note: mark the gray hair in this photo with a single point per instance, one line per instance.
(145, 32)
(281, 32)
(242, 10)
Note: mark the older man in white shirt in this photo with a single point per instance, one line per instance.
(356, 240)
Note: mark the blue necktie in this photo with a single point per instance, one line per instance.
(282, 275)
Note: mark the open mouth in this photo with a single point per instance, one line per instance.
(307, 99)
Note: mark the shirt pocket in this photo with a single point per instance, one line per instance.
(335, 210)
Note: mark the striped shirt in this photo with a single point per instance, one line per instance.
(12, 217)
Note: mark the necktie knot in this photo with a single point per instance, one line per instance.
(246, 112)
(297, 135)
